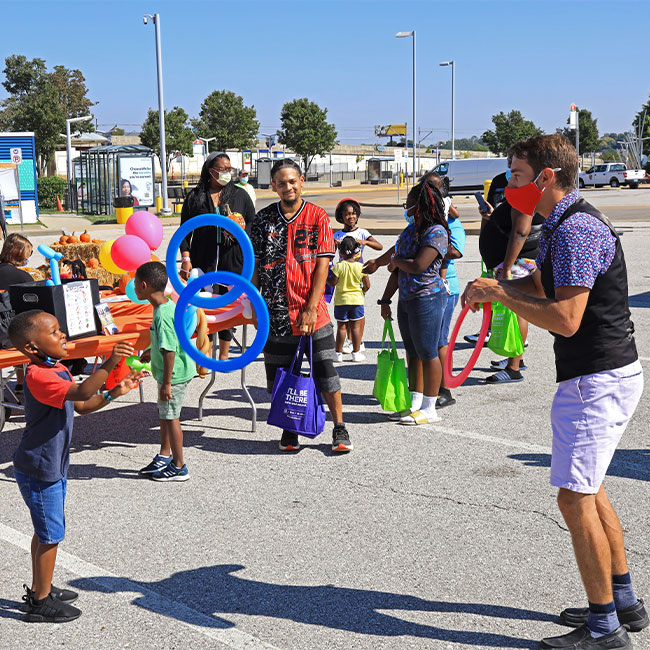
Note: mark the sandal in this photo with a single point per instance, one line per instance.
(504, 376)
(417, 417)
(398, 415)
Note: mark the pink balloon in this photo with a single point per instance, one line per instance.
(131, 251)
(147, 226)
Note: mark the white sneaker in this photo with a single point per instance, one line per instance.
(338, 357)
(347, 347)
(358, 356)
(362, 347)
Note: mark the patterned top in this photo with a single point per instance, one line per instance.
(408, 245)
(286, 252)
(360, 234)
(582, 247)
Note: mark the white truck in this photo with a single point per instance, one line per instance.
(612, 174)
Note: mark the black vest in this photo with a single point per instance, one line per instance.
(604, 340)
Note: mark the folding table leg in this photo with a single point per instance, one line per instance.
(213, 354)
(245, 387)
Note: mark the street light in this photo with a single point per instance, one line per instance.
(453, 99)
(406, 35)
(161, 111)
(68, 149)
(205, 142)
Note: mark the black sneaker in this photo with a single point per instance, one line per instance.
(473, 338)
(289, 441)
(341, 439)
(581, 639)
(49, 610)
(159, 462)
(633, 618)
(64, 595)
(171, 473)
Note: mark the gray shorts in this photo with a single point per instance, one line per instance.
(171, 410)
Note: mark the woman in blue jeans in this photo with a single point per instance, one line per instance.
(415, 264)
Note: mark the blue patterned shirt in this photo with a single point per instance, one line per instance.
(582, 248)
(407, 247)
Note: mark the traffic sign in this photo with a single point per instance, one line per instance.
(16, 155)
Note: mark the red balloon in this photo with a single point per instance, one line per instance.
(129, 252)
(147, 226)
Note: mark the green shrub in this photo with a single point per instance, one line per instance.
(49, 187)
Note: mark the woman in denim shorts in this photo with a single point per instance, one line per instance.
(415, 270)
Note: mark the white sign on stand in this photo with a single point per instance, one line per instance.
(399, 155)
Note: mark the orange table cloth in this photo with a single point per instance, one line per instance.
(133, 321)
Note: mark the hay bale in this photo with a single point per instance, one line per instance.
(100, 274)
(82, 251)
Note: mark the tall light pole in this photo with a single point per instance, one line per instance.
(68, 149)
(205, 142)
(406, 35)
(453, 105)
(161, 111)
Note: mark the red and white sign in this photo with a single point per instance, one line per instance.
(16, 154)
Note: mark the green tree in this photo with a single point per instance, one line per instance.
(305, 130)
(41, 101)
(508, 129)
(589, 140)
(224, 117)
(178, 134)
(644, 115)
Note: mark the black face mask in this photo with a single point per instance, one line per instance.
(50, 362)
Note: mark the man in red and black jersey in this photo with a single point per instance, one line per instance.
(293, 245)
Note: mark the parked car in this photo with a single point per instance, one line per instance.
(468, 174)
(613, 174)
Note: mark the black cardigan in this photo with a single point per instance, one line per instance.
(202, 243)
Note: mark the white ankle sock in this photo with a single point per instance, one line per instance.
(428, 405)
(416, 401)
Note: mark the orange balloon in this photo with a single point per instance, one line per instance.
(155, 258)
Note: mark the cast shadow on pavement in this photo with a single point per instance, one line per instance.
(214, 592)
(627, 463)
(11, 609)
(640, 299)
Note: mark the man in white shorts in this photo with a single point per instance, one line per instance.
(579, 293)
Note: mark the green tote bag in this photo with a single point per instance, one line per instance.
(391, 383)
(505, 337)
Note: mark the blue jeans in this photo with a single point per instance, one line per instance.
(419, 321)
(452, 301)
(46, 503)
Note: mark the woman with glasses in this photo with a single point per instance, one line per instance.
(209, 248)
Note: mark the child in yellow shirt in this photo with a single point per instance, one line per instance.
(351, 285)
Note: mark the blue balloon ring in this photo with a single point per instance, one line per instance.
(241, 286)
(242, 239)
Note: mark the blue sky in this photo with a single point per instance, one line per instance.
(537, 57)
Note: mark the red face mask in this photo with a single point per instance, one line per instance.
(526, 198)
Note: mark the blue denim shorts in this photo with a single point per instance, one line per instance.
(46, 503)
(419, 321)
(345, 313)
(452, 301)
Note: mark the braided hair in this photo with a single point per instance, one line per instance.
(429, 206)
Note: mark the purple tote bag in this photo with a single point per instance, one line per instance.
(296, 403)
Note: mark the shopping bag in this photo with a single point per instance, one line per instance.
(505, 337)
(391, 383)
(296, 402)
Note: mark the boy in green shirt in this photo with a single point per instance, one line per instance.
(171, 367)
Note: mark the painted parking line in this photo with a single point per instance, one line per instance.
(149, 599)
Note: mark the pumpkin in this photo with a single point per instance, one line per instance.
(98, 241)
(73, 239)
(84, 237)
(63, 239)
(93, 263)
(124, 280)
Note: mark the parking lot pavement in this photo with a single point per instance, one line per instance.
(445, 536)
